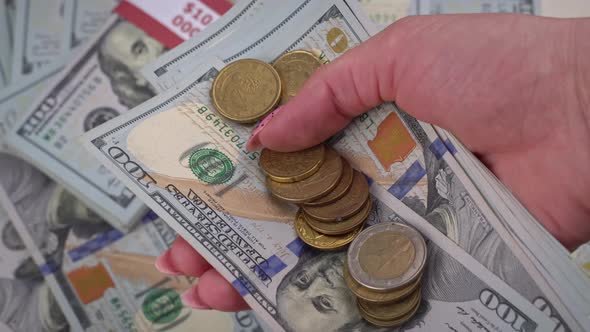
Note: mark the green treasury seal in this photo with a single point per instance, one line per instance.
(211, 166)
(162, 306)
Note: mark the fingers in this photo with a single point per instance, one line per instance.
(213, 292)
(356, 82)
(182, 259)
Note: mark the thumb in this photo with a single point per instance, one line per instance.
(336, 93)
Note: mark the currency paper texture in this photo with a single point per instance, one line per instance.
(234, 222)
(428, 7)
(84, 18)
(26, 302)
(172, 66)
(103, 280)
(18, 97)
(385, 12)
(101, 83)
(38, 38)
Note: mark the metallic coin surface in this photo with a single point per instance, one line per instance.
(381, 258)
(289, 167)
(246, 90)
(313, 187)
(349, 204)
(341, 227)
(341, 189)
(392, 310)
(295, 68)
(321, 241)
(376, 255)
(388, 323)
(369, 295)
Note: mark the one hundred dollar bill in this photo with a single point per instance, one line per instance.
(543, 250)
(84, 18)
(205, 213)
(428, 7)
(38, 38)
(26, 302)
(102, 82)
(103, 280)
(19, 96)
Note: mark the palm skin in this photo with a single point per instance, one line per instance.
(515, 89)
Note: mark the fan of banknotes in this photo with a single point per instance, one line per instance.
(100, 113)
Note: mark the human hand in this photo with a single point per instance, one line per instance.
(513, 88)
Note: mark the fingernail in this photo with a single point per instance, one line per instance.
(164, 265)
(254, 142)
(191, 298)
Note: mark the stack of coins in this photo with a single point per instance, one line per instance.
(247, 90)
(334, 198)
(383, 269)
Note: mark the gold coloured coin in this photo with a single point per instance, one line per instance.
(246, 90)
(388, 255)
(370, 295)
(294, 69)
(340, 190)
(392, 310)
(342, 227)
(388, 322)
(315, 186)
(289, 167)
(347, 205)
(321, 241)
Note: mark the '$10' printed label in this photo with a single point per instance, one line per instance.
(173, 21)
(195, 17)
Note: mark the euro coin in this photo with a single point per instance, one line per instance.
(342, 227)
(369, 295)
(341, 189)
(289, 167)
(387, 256)
(321, 241)
(392, 310)
(294, 69)
(388, 322)
(349, 204)
(246, 90)
(313, 187)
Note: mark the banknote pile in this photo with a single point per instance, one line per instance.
(118, 133)
(384, 267)
(333, 198)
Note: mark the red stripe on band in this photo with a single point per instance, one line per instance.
(148, 24)
(219, 6)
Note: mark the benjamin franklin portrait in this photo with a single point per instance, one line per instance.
(313, 296)
(50, 214)
(122, 52)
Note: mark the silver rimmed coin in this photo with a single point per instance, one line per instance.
(387, 256)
